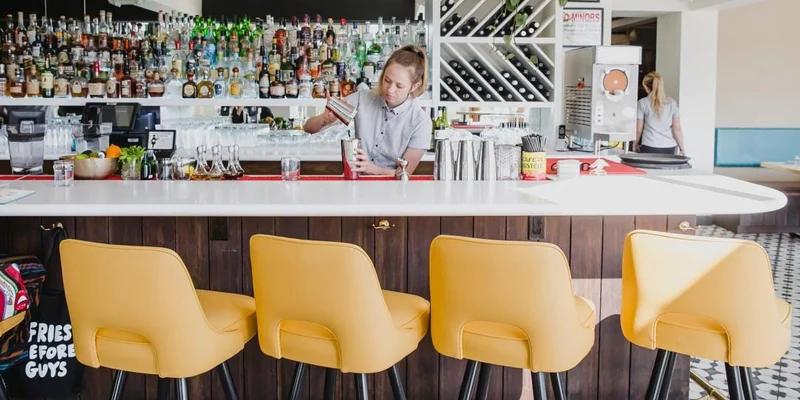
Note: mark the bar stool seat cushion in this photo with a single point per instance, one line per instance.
(703, 337)
(228, 314)
(316, 344)
(504, 344)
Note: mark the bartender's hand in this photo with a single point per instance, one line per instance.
(328, 117)
(363, 164)
(636, 147)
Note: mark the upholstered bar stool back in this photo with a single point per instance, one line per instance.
(135, 309)
(321, 303)
(507, 303)
(705, 297)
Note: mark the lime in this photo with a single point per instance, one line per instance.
(81, 157)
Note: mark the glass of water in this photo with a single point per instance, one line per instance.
(290, 168)
(63, 173)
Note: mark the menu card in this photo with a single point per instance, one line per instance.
(11, 195)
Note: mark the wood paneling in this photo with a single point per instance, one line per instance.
(612, 369)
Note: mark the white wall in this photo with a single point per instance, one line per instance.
(758, 64)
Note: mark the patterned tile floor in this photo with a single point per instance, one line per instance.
(782, 380)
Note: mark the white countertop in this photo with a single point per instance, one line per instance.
(662, 193)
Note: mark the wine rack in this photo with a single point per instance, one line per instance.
(485, 55)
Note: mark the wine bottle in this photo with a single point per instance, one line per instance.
(530, 97)
(506, 75)
(449, 80)
(443, 94)
(454, 65)
(466, 96)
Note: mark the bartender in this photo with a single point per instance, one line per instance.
(390, 122)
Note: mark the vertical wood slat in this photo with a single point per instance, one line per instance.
(516, 229)
(324, 229)
(297, 228)
(642, 360)
(158, 232)
(558, 231)
(614, 356)
(128, 231)
(225, 275)
(191, 244)
(96, 382)
(492, 228)
(391, 266)
(422, 370)
(358, 231)
(679, 389)
(261, 371)
(586, 254)
(451, 371)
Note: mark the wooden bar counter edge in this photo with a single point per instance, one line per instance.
(209, 224)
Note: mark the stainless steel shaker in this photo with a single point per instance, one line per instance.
(443, 162)
(465, 170)
(487, 164)
(349, 147)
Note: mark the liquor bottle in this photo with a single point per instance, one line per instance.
(149, 166)
(264, 80)
(174, 85)
(60, 83)
(220, 84)
(32, 84)
(200, 172)
(16, 87)
(96, 85)
(234, 169)
(205, 89)
(217, 170)
(320, 90)
(287, 70)
(292, 89)
(235, 86)
(334, 89)
(277, 89)
(347, 87)
(48, 80)
(3, 81)
(155, 88)
(79, 86)
(189, 90)
(329, 67)
(112, 84)
(140, 86)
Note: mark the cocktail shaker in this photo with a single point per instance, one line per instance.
(487, 164)
(466, 161)
(349, 147)
(343, 110)
(443, 163)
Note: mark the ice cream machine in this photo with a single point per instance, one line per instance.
(601, 93)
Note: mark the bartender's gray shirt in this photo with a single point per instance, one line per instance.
(386, 133)
(658, 128)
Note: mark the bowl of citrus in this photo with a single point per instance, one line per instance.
(94, 164)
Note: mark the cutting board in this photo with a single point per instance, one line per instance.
(614, 168)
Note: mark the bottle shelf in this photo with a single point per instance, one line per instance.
(164, 102)
(495, 40)
(497, 104)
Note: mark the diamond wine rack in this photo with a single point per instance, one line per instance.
(495, 53)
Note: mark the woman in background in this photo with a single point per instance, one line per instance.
(658, 125)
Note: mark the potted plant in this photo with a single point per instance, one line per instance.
(131, 159)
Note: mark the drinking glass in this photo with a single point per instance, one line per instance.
(290, 168)
(63, 173)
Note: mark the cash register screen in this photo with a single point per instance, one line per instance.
(122, 116)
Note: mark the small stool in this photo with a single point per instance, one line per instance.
(497, 302)
(703, 297)
(320, 303)
(135, 309)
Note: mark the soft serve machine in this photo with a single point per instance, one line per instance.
(601, 94)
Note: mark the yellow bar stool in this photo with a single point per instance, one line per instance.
(321, 303)
(5, 326)
(497, 302)
(703, 297)
(135, 309)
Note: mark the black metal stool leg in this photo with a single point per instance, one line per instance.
(298, 376)
(398, 390)
(483, 382)
(227, 381)
(181, 390)
(657, 377)
(3, 390)
(667, 380)
(119, 384)
(539, 386)
(362, 387)
(469, 380)
(734, 382)
(163, 388)
(330, 383)
(748, 386)
(558, 386)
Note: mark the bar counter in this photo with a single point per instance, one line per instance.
(209, 224)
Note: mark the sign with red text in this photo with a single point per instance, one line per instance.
(583, 27)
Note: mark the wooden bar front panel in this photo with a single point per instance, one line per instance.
(613, 369)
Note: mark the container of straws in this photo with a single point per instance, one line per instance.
(534, 158)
